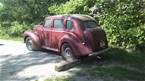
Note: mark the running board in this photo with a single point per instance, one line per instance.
(48, 48)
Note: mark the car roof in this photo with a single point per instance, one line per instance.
(76, 16)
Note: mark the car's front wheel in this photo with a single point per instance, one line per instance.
(67, 53)
(31, 45)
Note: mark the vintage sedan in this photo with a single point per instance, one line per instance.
(72, 36)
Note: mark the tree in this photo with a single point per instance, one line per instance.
(26, 10)
(123, 20)
(1, 6)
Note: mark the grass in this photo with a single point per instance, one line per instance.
(11, 38)
(59, 79)
(116, 65)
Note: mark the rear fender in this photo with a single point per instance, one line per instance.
(71, 41)
(33, 36)
(78, 48)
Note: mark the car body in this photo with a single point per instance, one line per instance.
(81, 33)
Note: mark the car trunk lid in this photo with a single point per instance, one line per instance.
(95, 39)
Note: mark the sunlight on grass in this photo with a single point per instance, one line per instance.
(12, 38)
(117, 72)
(116, 65)
(59, 79)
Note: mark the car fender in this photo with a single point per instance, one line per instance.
(76, 45)
(70, 40)
(33, 36)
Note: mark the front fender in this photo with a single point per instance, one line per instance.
(33, 36)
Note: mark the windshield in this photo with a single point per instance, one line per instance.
(90, 24)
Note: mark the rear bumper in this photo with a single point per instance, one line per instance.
(99, 52)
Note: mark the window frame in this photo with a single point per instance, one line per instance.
(84, 25)
(71, 24)
(49, 25)
(60, 27)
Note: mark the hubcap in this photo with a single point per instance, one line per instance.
(68, 52)
(29, 44)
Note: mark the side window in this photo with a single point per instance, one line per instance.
(58, 23)
(47, 23)
(69, 24)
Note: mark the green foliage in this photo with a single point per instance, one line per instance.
(13, 29)
(29, 11)
(1, 6)
(123, 20)
(16, 29)
(23, 10)
(17, 16)
(72, 6)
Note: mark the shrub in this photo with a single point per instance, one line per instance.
(16, 29)
(123, 21)
(72, 6)
(13, 29)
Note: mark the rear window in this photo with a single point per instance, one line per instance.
(89, 24)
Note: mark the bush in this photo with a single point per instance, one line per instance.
(72, 6)
(16, 29)
(13, 29)
(4, 26)
(124, 21)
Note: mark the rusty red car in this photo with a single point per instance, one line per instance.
(72, 36)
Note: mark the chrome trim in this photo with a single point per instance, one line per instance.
(99, 52)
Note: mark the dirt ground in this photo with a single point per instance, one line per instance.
(19, 64)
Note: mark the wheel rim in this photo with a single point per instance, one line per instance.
(29, 44)
(67, 53)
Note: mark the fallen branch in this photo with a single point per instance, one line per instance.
(66, 65)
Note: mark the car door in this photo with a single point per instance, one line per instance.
(57, 32)
(47, 32)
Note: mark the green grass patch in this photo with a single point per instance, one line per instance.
(117, 72)
(11, 38)
(122, 57)
(116, 65)
(59, 79)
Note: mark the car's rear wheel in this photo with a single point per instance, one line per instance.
(67, 53)
(31, 45)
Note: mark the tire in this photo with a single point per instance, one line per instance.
(30, 45)
(67, 53)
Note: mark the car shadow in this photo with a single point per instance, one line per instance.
(11, 65)
(1, 44)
